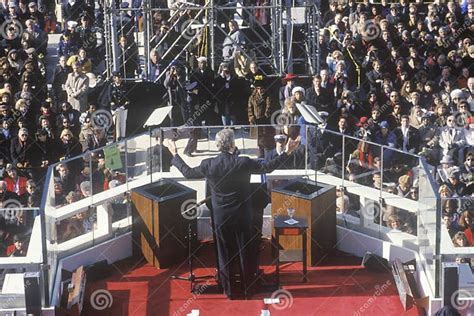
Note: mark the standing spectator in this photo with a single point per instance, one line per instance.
(119, 104)
(77, 86)
(286, 91)
(225, 87)
(155, 66)
(204, 78)
(88, 37)
(233, 42)
(174, 83)
(128, 57)
(259, 113)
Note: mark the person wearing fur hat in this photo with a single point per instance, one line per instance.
(259, 113)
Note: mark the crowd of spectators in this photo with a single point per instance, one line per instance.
(396, 74)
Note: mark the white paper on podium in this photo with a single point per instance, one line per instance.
(158, 116)
(291, 221)
(309, 113)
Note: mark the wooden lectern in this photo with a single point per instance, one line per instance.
(159, 229)
(316, 203)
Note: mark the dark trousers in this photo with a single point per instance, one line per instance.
(193, 141)
(234, 250)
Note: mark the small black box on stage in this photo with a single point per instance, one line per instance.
(32, 293)
(98, 270)
(376, 263)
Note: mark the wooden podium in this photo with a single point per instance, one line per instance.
(159, 229)
(316, 203)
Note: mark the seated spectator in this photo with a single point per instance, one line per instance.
(15, 183)
(413, 193)
(32, 193)
(460, 240)
(404, 185)
(394, 222)
(18, 248)
(86, 189)
(59, 196)
(97, 140)
(442, 173)
(454, 183)
(23, 152)
(66, 178)
(7, 197)
(465, 220)
(69, 148)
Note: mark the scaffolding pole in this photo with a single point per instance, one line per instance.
(274, 50)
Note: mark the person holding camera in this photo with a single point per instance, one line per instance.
(174, 84)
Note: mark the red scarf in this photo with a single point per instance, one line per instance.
(370, 158)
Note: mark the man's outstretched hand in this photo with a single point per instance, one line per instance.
(171, 145)
(292, 144)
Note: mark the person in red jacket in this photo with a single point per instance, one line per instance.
(469, 232)
(18, 248)
(15, 183)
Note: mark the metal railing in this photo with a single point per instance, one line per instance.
(142, 159)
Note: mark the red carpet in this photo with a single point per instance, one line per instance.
(337, 286)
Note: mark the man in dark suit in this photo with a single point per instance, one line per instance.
(408, 138)
(228, 177)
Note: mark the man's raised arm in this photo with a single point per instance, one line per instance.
(178, 162)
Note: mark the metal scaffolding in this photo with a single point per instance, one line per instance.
(280, 36)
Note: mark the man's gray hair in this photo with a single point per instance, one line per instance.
(225, 140)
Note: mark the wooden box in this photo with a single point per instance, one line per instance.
(160, 231)
(315, 202)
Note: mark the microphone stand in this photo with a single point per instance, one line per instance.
(191, 277)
